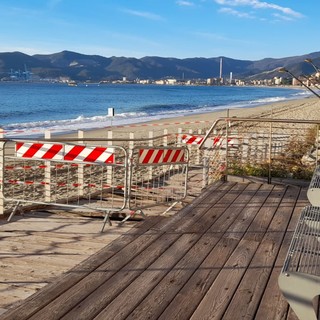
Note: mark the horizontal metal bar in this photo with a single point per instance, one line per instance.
(269, 120)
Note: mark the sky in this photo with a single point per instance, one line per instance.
(238, 29)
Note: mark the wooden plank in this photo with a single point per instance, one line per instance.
(211, 266)
(216, 300)
(241, 193)
(109, 290)
(194, 211)
(183, 305)
(154, 304)
(90, 295)
(188, 298)
(246, 300)
(276, 196)
(272, 294)
(50, 292)
(248, 213)
(61, 303)
(123, 304)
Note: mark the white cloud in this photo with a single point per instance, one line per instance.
(282, 17)
(143, 14)
(236, 13)
(256, 4)
(185, 3)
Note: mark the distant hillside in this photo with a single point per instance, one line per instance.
(82, 67)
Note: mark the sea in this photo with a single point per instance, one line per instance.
(32, 108)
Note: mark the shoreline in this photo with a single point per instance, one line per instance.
(301, 108)
(305, 108)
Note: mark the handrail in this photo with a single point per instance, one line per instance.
(83, 139)
(269, 120)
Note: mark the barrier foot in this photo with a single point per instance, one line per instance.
(14, 211)
(105, 220)
(167, 210)
(131, 215)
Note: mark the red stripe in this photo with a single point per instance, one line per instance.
(158, 156)
(111, 159)
(95, 154)
(192, 139)
(176, 155)
(216, 140)
(167, 155)
(19, 145)
(147, 157)
(52, 151)
(73, 153)
(32, 150)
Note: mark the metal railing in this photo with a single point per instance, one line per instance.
(268, 148)
(135, 176)
(92, 174)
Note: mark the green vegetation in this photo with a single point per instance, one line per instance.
(287, 164)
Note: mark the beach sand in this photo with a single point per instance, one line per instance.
(307, 109)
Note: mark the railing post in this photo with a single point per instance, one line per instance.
(109, 169)
(165, 137)
(179, 140)
(205, 172)
(81, 169)
(150, 145)
(270, 153)
(2, 143)
(225, 178)
(198, 149)
(130, 166)
(47, 174)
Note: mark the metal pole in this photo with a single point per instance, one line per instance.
(270, 149)
(2, 144)
(292, 75)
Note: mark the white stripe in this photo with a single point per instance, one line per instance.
(105, 155)
(40, 153)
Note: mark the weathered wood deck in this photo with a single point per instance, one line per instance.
(218, 258)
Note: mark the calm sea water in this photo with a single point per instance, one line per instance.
(29, 107)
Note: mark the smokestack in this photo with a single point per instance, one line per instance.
(220, 68)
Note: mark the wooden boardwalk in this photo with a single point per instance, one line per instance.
(217, 258)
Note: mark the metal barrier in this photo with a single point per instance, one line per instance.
(89, 176)
(158, 175)
(68, 175)
(264, 147)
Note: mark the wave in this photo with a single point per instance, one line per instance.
(150, 111)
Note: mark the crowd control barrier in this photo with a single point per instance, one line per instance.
(106, 179)
(68, 175)
(158, 175)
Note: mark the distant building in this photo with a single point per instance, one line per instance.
(171, 81)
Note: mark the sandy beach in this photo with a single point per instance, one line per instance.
(307, 109)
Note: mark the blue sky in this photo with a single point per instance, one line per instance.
(239, 29)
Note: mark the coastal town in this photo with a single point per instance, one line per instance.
(74, 69)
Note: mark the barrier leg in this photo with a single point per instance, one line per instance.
(105, 220)
(173, 205)
(131, 215)
(14, 211)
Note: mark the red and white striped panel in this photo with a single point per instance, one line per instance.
(219, 141)
(190, 139)
(159, 156)
(46, 151)
(89, 154)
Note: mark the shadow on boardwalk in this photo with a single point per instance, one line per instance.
(217, 258)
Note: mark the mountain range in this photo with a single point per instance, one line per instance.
(81, 67)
